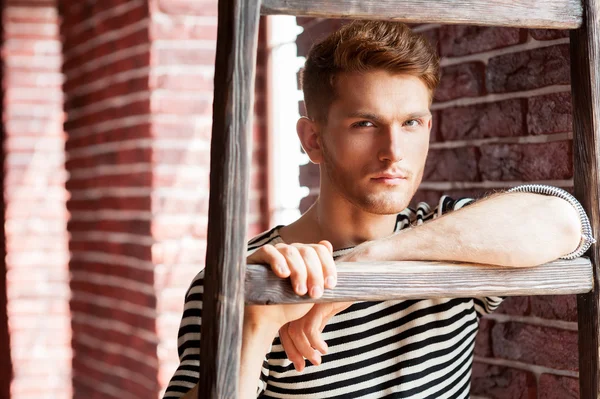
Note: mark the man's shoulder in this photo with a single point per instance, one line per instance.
(266, 237)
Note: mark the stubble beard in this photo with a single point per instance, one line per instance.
(381, 202)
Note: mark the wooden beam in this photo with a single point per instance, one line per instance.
(223, 305)
(375, 281)
(585, 87)
(556, 14)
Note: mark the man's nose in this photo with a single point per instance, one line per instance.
(391, 149)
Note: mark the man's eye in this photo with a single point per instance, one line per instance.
(363, 124)
(412, 123)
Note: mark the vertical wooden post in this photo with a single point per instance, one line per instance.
(223, 306)
(585, 86)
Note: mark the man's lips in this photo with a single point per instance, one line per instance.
(386, 176)
(389, 178)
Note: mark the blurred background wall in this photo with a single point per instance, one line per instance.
(106, 124)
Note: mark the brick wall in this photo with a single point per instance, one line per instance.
(35, 213)
(139, 103)
(183, 35)
(502, 116)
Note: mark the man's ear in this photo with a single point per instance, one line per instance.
(309, 135)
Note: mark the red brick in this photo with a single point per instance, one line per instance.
(543, 346)
(558, 387)
(176, 104)
(560, 307)
(136, 319)
(550, 114)
(114, 90)
(186, 7)
(138, 251)
(548, 34)
(306, 202)
(433, 36)
(33, 47)
(310, 175)
(183, 56)
(527, 162)
(112, 292)
(122, 157)
(185, 82)
(102, 50)
(317, 32)
(101, 26)
(463, 80)
(516, 305)
(177, 29)
(456, 40)
(498, 382)
(127, 133)
(528, 70)
(168, 156)
(110, 113)
(181, 128)
(483, 341)
(497, 119)
(121, 203)
(134, 274)
(457, 164)
(141, 227)
(133, 179)
(137, 59)
(140, 366)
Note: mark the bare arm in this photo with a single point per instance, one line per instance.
(510, 229)
(310, 268)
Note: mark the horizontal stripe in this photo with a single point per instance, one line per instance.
(387, 349)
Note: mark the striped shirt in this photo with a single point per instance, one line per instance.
(384, 349)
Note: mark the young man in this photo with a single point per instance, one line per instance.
(368, 89)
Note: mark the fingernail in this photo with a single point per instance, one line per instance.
(330, 281)
(282, 269)
(301, 289)
(317, 358)
(316, 291)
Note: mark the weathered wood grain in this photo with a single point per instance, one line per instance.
(558, 14)
(414, 280)
(223, 306)
(585, 87)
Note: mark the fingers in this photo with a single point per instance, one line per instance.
(302, 344)
(297, 267)
(268, 254)
(290, 349)
(310, 266)
(314, 270)
(325, 251)
(311, 324)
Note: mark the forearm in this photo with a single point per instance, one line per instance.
(516, 229)
(256, 342)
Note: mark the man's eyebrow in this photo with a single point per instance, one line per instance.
(416, 115)
(374, 117)
(363, 115)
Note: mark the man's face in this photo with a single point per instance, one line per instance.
(376, 140)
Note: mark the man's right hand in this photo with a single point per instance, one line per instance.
(310, 268)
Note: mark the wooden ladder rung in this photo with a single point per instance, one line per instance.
(372, 281)
(556, 14)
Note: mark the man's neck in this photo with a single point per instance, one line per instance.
(339, 222)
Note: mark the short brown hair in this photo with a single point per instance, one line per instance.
(361, 46)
